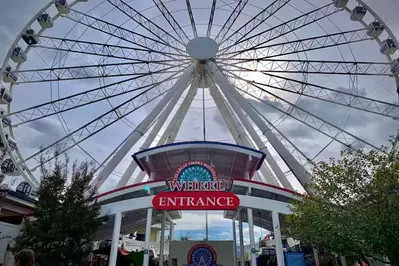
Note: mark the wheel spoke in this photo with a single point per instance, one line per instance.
(285, 28)
(255, 22)
(310, 67)
(124, 34)
(102, 49)
(230, 21)
(327, 94)
(191, 15)
(300, 155)
(89, 97)
(303, 45)
(91, 71)
(105, 120)
(210, 21)
(171, 20)
(147, 24)
(311, 120)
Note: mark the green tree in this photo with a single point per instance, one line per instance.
(65, 218)
(354, 208)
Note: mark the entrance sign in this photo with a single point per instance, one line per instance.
(187, 200)
(195, 186)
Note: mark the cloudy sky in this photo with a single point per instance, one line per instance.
(41, 133)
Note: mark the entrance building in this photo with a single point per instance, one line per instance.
(195, 176)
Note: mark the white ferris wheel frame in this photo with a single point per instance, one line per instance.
(231, 110)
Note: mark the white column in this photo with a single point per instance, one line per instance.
(147, 237)
(241, 234)
(180, 85)
(277, 239)
(232, 95)
(343, 260)
(251, 230)
(162, 242)
(171, 231)
(115, 239)
(316, 257)
(234, 241)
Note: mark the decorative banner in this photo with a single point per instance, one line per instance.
(187, 200)
(195, 186)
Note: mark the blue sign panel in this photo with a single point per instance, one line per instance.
(295, 259)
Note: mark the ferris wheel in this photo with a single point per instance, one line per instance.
(298, 79)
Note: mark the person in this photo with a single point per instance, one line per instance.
(25, 257)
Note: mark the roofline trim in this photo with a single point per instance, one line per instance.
(259, 154)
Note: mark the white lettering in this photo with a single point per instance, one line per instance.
(174, 185)
(230, 201)
(210, 201)
(200, 201)
(190, 201)
(172, 201)
(219, 201)
(162, 201)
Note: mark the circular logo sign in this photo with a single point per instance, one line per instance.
(195, 171)
(201, 255)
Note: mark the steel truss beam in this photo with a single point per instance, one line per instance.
(305, 117)
(255, 22)
(94, 71)
(327, 94)
(105, 120)
(104, 49)
(302, 45)
(89, 97)
(175, 92)
(171, 20)
(147, 24)
(309, 67)
(284, 28)
(230, 21)
(232, 95)
(191, 15)
(120, 32)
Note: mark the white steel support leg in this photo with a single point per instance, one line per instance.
(171, 131)
(241, 234)
(232, 94)
(180, 85)
(162, 244)
(148, 141)
(277, 239)
(235, 128)
(234, 241)
(258, 141)
(147, 237)
(239, 138)
(115, 239)
(268, 176)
